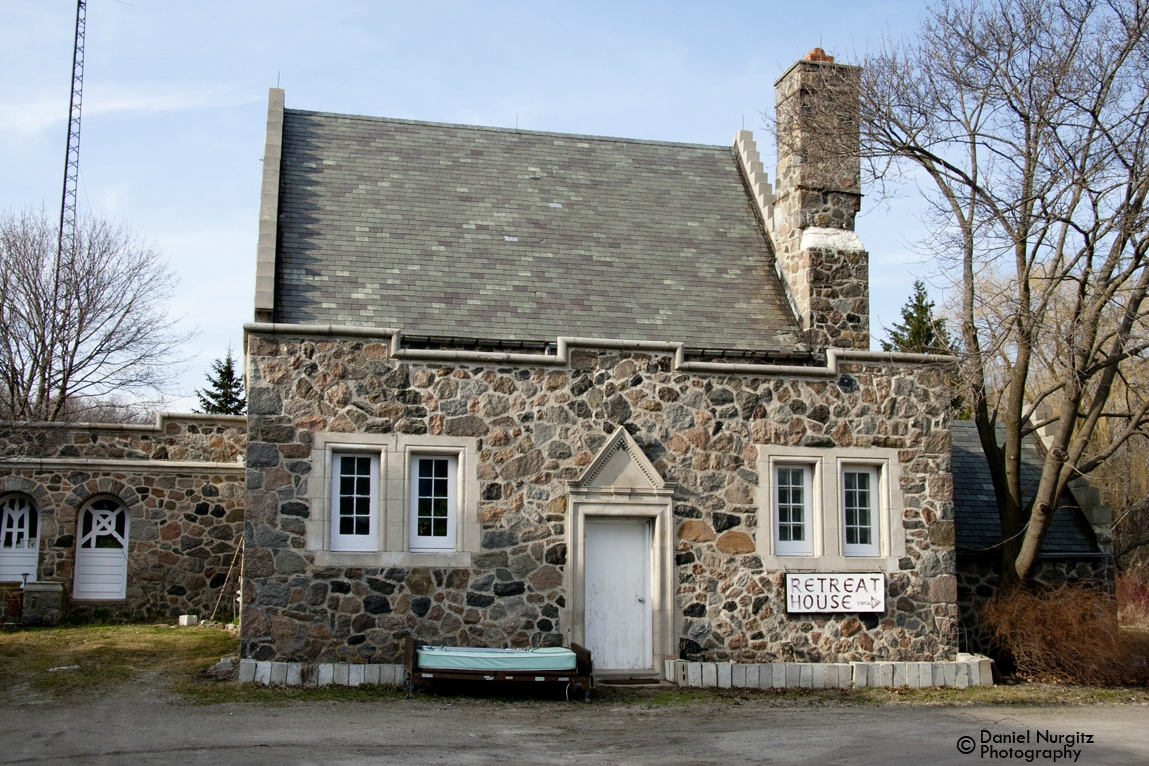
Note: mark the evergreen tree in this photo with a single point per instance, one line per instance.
(920, 332)
(224, 392)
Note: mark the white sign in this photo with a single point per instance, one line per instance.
(835, 592)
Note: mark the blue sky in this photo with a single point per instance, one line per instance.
(175, 101)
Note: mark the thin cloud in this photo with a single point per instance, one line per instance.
(43, 112)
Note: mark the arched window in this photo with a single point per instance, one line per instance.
(19, 539)
(102, 551)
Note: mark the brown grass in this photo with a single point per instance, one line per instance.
(1133, 597)
(176, 659)
(66, 660)
(1066, 635)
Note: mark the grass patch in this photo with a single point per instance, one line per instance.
(203, 691)
(103, 656)
(109, 655)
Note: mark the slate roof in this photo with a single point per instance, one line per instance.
(976, 522)
(475, 232)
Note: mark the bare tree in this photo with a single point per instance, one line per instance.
(1029, 120)
(108, 331)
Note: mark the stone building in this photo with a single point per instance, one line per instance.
(516, 388)
(113, 520)
(513, 388)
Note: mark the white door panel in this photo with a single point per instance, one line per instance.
(102, 554)
(100, 574)
(14, 564)
(617, 594)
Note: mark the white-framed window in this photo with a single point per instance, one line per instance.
(861, 504)
(827, 509)
(354, 501)
(433, 492)
(370, 506)
(793, 509)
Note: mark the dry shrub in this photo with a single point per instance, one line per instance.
(1133, 597)
(1065, 635)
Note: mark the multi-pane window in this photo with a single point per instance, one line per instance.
(433, 502)
(19, 539)
(793, 533)
(354, 502)
(859, 511)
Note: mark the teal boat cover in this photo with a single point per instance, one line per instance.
(463, 658)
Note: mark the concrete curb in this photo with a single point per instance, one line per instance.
(312, 674)
(967, 670)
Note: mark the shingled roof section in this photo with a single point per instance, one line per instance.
(474, 232)
(977, 524)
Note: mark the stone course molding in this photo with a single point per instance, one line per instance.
(163, 421)
(835, 357)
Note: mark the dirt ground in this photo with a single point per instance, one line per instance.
(144, 722)
(139, 694)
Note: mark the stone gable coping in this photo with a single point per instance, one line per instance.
(756, 177)
(561, 358)
(269, 206)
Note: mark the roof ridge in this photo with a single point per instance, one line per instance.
(495, 129)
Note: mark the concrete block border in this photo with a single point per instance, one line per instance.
(965, 671)
(312, 674)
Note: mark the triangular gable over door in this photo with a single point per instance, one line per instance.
(620, 465)
(621, 497)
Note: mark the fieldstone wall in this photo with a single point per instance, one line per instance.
(185, 516)
(540, 426)
(978, 577)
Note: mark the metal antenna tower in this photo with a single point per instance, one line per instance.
(67, 242)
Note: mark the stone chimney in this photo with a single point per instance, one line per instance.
(821, 261)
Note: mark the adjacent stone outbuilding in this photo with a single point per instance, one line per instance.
(123, 520)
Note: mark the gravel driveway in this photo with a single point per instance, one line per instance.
(142, 724)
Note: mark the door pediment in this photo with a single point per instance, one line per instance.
(620, 465)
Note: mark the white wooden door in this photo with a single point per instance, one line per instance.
(102, 553)
(616, 593)
(19, 540)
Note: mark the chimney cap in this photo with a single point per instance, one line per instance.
(819, 55)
